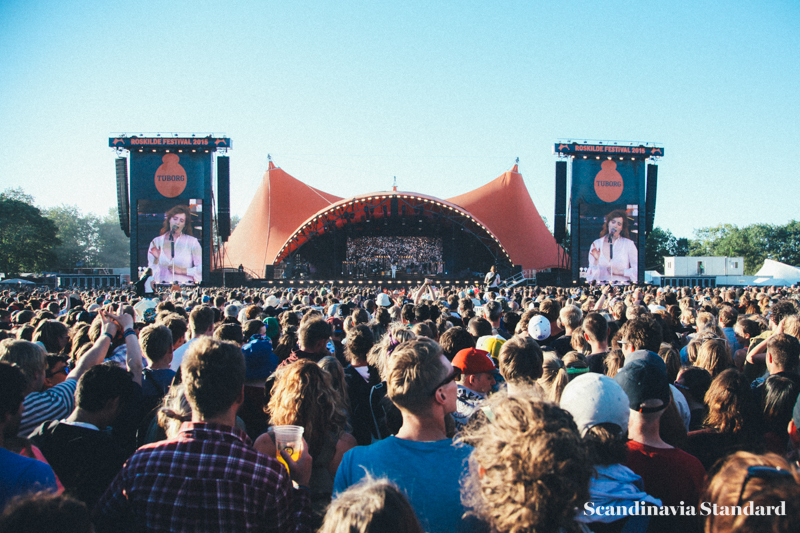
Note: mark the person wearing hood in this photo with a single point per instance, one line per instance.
(600, 409)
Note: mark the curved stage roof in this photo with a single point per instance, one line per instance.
(285, 213)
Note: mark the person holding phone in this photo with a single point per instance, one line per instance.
(614, 258)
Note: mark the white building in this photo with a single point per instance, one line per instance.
(703, 266)
(703, 271)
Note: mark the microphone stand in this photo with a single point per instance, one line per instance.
(172, 246)
(610, 246)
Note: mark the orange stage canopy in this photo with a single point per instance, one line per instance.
(283, 204)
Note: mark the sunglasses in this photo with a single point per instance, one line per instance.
(763, 472)
(455, 375)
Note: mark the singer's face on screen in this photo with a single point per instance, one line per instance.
(178, 220)
(615, 225)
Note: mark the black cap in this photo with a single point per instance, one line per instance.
(643, 380)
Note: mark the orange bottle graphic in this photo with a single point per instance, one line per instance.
(608, 183)
(170, 176)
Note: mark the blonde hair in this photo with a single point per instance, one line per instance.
(174, 411)
(554, 377)
(303, 396)
(412, 373)
(398, 333)
(791, 326)
(529, 468)
(714, 356)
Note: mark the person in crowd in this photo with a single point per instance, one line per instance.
(197, 480)
(156, 345)
(520, 363)
(779, 400)
(18, 475)
(454, 340)
(733, 422)
(669, 474)
(493, 312)
(421, 460)
(201, 324)
(529, 470)
(303, 396)
(44, 511)
(714, 356)
(386, 417)
(52, 335)
(764, 480)
(595, 331)
(59, 401)
(83, 455)
(177, 325)
(371, 506)
(360, 377)
(693, 382)
(783, 359)
(57, 370)
(570, 318)
(554, 376)
(475, 382)
(600, 409)
(312, 338)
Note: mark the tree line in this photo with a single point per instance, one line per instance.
(61, 238)
(754, 243)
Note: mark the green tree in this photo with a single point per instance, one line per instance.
(78, 235)
(27, 238)
(660, 243)
(114, 249)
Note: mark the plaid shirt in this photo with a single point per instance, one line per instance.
(208, 478)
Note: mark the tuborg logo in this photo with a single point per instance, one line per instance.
(170, 176)
(608, 183)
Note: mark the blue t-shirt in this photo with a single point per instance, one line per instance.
(428, 472)
(21, 475)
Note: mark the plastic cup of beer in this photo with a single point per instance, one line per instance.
(290, 440)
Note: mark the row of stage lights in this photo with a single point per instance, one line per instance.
(383, 197)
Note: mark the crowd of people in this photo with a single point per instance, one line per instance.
(434, 408)
(402, 251)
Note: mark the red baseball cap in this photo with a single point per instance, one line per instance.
(473, 361)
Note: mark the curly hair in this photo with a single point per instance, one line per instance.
(303, 396)
(529, 469)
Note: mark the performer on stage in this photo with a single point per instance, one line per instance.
(613, 258)
(175, 256)
(492, 280)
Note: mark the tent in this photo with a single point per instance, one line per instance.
(779, 271)
(282, 205)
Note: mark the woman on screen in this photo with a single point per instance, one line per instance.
(613, 258)
(175, 255)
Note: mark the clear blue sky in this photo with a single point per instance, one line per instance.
(443, 95)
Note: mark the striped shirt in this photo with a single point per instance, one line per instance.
(53, 404)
